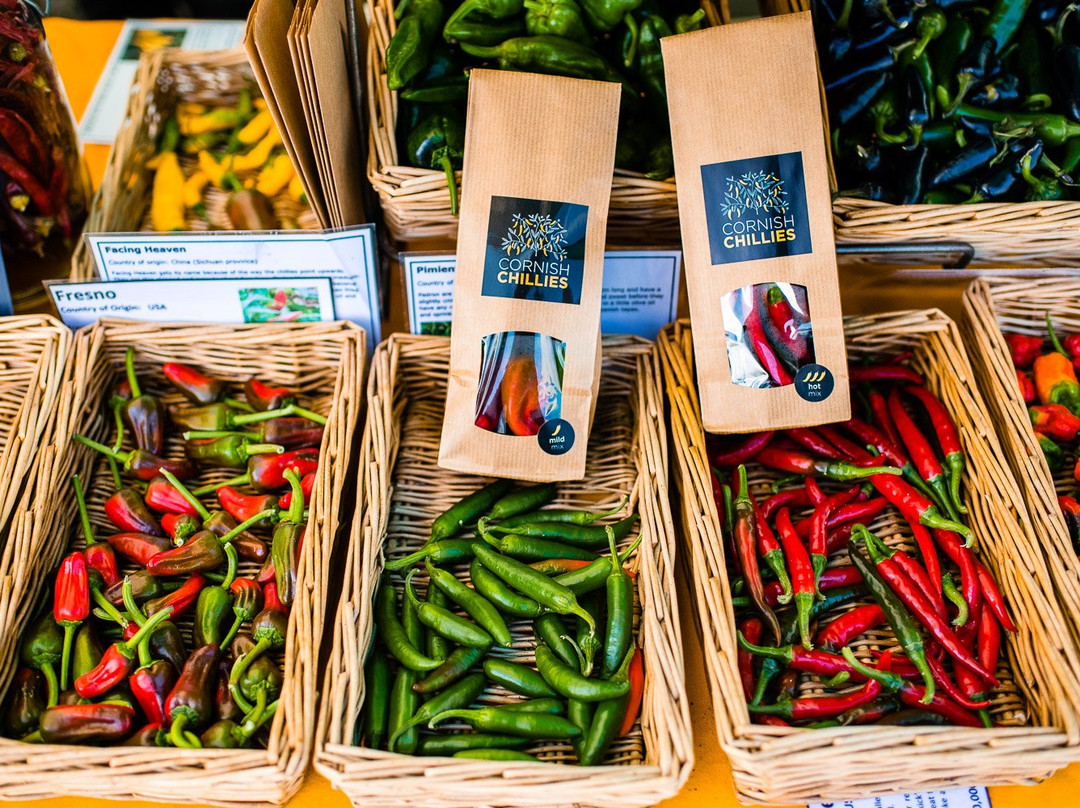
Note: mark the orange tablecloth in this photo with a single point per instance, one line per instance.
(81, 49)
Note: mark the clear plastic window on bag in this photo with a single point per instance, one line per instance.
(521, 375)
(769, 333)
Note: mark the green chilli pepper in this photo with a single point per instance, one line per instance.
(620, 613)
(409, 51)
(393, 633)
(459, 695)
(451, 670)
(475, 605)
(512, 722)
(376, 699)
(404, 702)
(572, 685)
(503, 597)
(520, 679)
(562, 18)
(443, 621)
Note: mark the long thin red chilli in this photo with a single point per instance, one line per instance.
(849, 514)
(962, 557)
(809, 439)
(880, 408)
(993, 597)
(792, 498)
(852, 451)
(744, 452)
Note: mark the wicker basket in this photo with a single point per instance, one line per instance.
(416, 201)
(33, 349)
(164, 79)
(402, 490)
(325, 362)
(1036, 706)
(1002, 233)
(1020, 305)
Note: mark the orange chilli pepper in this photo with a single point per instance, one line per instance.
(520, 397)
(637, 690)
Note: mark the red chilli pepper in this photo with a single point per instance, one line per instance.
(179, 600)
(802, 574)
(266, 472)
(127, 511)
(637, 692)
(138, 547)
(920, 576)
(793, 462)
(150, 685)
(798, 658)
(763, 351)
(197, 387)
(750, 628)
(922, 453)
(99, 557)
(1027, 387)
(930, 560)
(793, 498)
(963, 558)
(307, 483)
(117, 662)
(832, 578)
(264, 397)
(769, 549)
(921, 607)
(1055, 421)
(870, 434)
(1023, 349)
(814, 492)
(180, 526)
(883, 373)
(855, 512)
(845, 628)
(243, 507)
(992, 595)
(746, 543)
(818, 524)
(915, 507)
(162, 497)
(948, 440)
(851, 451)
(809, 709)
(815, 442)
(747, 450)
(71, 605)
(880, 408)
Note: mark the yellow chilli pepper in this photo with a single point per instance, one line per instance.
(193, 189)
(296, 190)
(275, 175)
(215, 120)
(167, 198)
(259, 154)
(256, 129)
(214, 170)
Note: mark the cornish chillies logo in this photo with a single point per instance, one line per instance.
(542, 234)
(756, 208)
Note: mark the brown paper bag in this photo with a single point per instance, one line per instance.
(525, 345)
(756, 217)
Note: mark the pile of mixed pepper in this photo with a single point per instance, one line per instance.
(952, 101)
(436, 43)
(1046, 372)
(525, 562)
(236, 149)
(46, 190)
(154, 638)
(821, 562)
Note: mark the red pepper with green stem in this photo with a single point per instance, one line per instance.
(269, 629)
(913, 695)
(163, 497)
(750, 629)
(816, 443)
(854, 512)
(1026, 386)
(117, 662)
(832, 578)
(247, 602)
(307, 485)
(144, 414)
(128, 512)
(190, 704)
(98, 556)
(179, 600)
(850, 450)
(267, 472)
(884, 558)
(746, 544)
(992, 596)
(291, 433)
(793, 462)
(138, 547)
(916, 508)
(263, 396)
(203, 552)
(818, 534)
(71, 605)
(891, 450)
(923, 456)
(1055, 381)
(196, 386)
(948, 440)
(964, 559)
(1023, 349)
(141, 464)
(802, 575)
(769, 549)
(816, 708)
(793, 498)
(798, 658)
(180, 526)
(786, 330)
(1054, 421)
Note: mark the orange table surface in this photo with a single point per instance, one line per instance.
(81, 50)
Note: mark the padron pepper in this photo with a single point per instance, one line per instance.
(651, 62)
(214, 608)
(409, 50)
(604, 15)
(190, 704)
(143, 414)
(550, 54)
(438, 142)
(230, 451)
(562, 18)
(285, 546)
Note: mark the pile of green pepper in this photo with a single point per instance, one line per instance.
(525, 563)
(952, 101)
(436, 44)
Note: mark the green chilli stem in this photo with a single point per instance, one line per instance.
(84, 517)
(188, 495)
(237, 404)
(233, 562)
(130, 604)
(245, 525)
(296, 504)
(129, 367)
(115, 471)
(107, 607)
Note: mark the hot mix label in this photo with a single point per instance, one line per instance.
(535, 250)
(756, 208)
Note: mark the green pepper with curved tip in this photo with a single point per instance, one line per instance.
(438, 142)
(409, 50)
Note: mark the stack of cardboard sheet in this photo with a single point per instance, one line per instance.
(304, 58)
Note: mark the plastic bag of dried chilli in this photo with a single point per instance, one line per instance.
(529, 567)
(817, 589)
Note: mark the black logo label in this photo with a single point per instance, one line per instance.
(556, 437)
(756, 208)
(814, 383)
(535, 250)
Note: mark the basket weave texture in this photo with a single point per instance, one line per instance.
(1002, 233)
(416, 201)
(324, 362)
(164, 79)
(993, 307)
(33, 350)
(1036, 706)
(402, 490)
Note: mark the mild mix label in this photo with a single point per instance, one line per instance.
(756, 208)
(535, 250)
